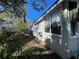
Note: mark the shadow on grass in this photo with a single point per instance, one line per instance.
(15, 40)
(40, 56)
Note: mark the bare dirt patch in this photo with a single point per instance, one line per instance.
(34, 43)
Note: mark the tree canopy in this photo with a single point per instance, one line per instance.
(17, 6)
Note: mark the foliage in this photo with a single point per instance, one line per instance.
(6, 16)
(37, 4)
(6, 33)
(27, 51)
(75, 56)
(14, 6)
(4, 52)
(17, 6)
(21, 25)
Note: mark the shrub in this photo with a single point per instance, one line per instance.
(28, 51)
(75, 56)
(7, 33)
(21, 25)
(4, 52)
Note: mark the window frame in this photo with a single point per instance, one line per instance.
(54, 17)
(48, 24)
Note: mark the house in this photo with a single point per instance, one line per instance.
(58, 28)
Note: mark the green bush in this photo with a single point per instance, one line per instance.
(4, 52)
(28, 51)
(75, 56)
(6, 33)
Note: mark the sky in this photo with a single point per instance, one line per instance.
(34, 14)
(1, 8)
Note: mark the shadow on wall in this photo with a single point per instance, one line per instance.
(48, 43)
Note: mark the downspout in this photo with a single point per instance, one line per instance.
(77, 19)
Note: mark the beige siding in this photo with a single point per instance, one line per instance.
(41, 30)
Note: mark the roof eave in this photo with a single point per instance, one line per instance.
(41, 18)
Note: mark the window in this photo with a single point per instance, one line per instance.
(72, 28)
(78, 19)
(72, 3)
(40, 33)
(56, 24)
(47, 29)
(55, 29)
(47, 24)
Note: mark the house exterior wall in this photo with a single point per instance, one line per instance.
(41, 30)
(73, 42)
(60, 42)
(63, 43)
(57, 42)
(35, 28)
